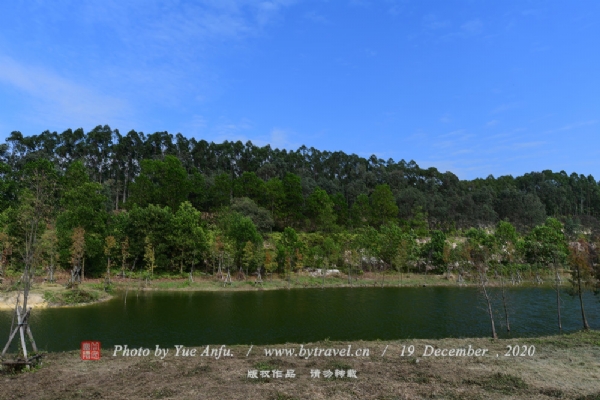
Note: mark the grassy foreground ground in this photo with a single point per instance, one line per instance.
(562, 367)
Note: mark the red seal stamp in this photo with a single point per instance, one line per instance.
(90, 350)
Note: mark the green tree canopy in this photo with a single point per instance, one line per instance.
(163, 183)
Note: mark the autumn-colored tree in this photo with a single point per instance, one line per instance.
(49, 245)
(270, 264)
(77, 254)
(110, 243)
(582, 276)
(248, 257)
(149, 255)
(124, 253)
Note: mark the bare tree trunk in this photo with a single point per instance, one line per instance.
(52, 269)
(350, 275)
(483, 284)
(585, 323)
(557, 290)
(504, 303)
(108, 271)
(117, 196)
(125, 183)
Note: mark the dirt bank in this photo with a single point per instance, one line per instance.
(35, 300)
(566, 367)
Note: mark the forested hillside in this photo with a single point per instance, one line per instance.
(169, 201)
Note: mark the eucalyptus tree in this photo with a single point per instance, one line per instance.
(239, 230)
(128, 154)
(150, 225)
(82, 205)
(391, 236)
(274, 198)
(546, 245)
(8, 186)
(289, 248)
(383, 206)
(221, 191)
(158, 145)
(161, 182)
(293, 201)
(16, 150)
(525, 209)
(98, 144)
(407, 253)
(319, 208)
(361, 211)
(70, 147)
(479, 255)
(433, 251)
(251, 186)
(340, 208)
(368, 242)
(183, 147)
(505, 240)
(187, 235)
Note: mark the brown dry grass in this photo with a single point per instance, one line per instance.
(566, 367)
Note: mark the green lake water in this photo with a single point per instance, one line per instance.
(299, 316)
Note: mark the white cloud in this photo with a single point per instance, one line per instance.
(455, 133)
(472, 27)
(469, 29)
(131, 57)
(433, 22)
(316, 17)
(527, 145)
(572, 126)
(446, 118)
(505, 107)
(232, 131)
(59, 102)
(282, 139)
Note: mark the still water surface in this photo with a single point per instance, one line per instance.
(298, 316)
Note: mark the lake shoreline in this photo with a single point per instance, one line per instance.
(41, 291)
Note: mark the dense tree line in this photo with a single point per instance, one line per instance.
(138, 202)
(305, 188)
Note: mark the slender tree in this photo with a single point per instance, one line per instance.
(582, 277)
(77, 254)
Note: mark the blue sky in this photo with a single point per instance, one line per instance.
(473, 87)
